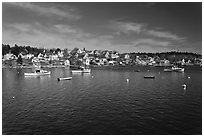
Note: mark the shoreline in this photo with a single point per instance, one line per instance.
(95, 67)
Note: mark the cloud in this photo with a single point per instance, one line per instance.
(58, 35)
(151, 42)
(127, 27)
(70, 13)
(162, 34)
(141, 29)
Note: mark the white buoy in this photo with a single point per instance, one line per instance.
(127, 80)
(189, 77)
(184, 86)
(13, 97)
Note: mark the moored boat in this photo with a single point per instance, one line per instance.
(149, 76)
(167, 70)
(174, 69)
(38, 73)
(81, 71)
(177, 69)
(67, 78)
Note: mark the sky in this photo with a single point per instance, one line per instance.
(121, 26)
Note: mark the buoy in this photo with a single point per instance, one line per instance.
(92, 76)
(189, 77)
(184, 86)
(127, 80)
(13, 97)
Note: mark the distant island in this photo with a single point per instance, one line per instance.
(28, 57)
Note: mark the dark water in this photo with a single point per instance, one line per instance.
(102, 102)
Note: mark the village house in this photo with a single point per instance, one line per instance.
(9, 56)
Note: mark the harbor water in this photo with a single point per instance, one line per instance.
(102, 102)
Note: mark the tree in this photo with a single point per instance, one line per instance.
(19, 60)
(5, 49)
(15, 50)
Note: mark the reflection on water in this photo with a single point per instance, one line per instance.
(101, 102)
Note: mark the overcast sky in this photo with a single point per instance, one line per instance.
(124, 27)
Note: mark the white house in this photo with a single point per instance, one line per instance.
(9, 56)
(67, 63)
(87, 62)
(127, 56)
(54, 57)
(29, 56)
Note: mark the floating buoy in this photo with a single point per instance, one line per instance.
(184, 86)
(189, 77)
(13, 97)
(127, 80)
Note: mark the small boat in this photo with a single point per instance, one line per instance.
(174, 69)
(81, 70)
(177, 69)
(67, 78)
(38, 72)
(167, 70)
(149, 76)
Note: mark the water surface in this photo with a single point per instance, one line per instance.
(102, 102)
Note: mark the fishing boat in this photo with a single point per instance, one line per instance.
(177, 69)
(174, 69)
(38, 72)
(67, 78)
(81, 70)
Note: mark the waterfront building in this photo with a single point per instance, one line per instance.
(9, 56)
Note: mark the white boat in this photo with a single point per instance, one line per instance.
(167, 70)
(67, 78)
(174, 69)
(177, 69)
(38, 73)
(81, 71)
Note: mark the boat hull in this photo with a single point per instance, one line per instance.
(167, 70)
(81, 71)
(37, 74)
(149, 76)
(68, 78)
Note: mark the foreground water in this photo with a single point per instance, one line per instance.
(102, 102)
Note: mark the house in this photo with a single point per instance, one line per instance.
(107, 54)
(87, 62)
(54, 57)
(127, 56)
(114, 56)
(61, 54)
(67, 63)
(164, 62)
(112, 62)
(86, 56)
(103, 61)
(29, 56)
(9, 56)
